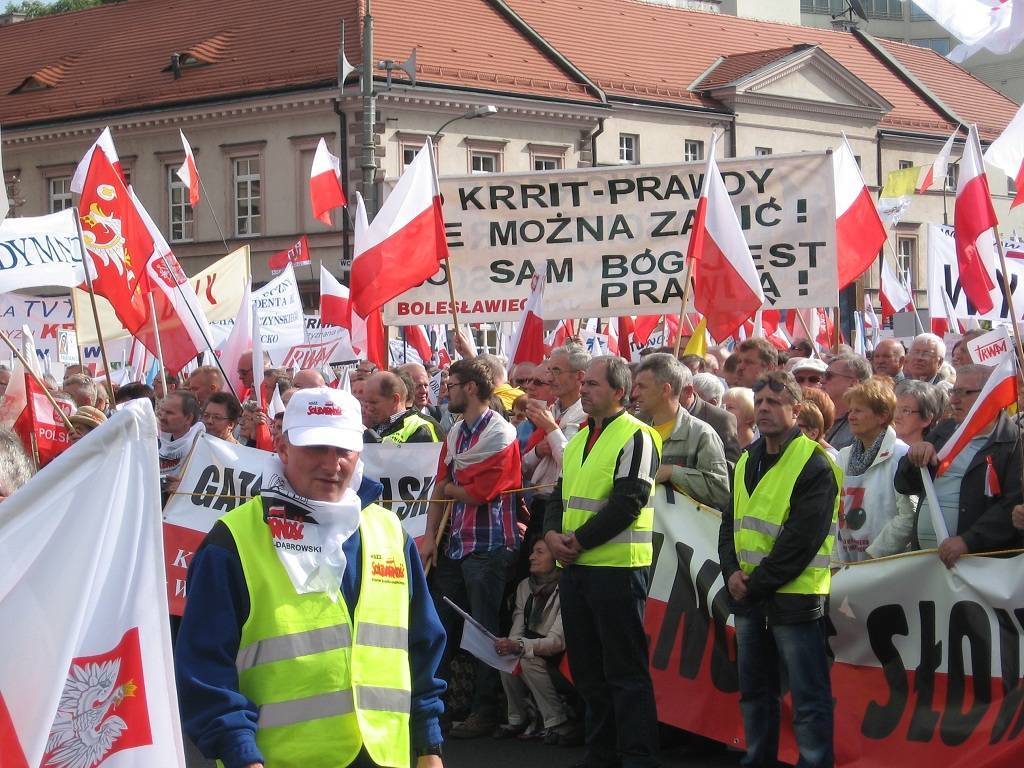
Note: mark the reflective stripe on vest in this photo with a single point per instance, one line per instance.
(410, 424)
(326, 683)
(758, 518)
(586, 486)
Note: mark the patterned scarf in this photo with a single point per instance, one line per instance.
(861, 458)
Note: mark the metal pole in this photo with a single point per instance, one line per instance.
(369, 164)
(213, 213)
(159, 346)
(1009, 299)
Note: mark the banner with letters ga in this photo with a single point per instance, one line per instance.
(219, 476)
(927, 661)
(613, 240)
(944, 275)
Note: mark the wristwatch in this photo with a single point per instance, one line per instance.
(433, 749)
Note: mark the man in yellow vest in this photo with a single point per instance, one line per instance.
(775, 545)
(599, 526)
(383, 402)
(309, 639)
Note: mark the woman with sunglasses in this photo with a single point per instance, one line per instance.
(874, 521)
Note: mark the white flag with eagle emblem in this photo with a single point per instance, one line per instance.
(90, 679)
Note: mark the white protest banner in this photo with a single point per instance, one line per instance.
(992, 348)
(38, 251)
(944, 275)
(222, 475)
(90, 677)
(324, 344)
(927, 660)
(614, 239)
(219, 288)
(279, 309)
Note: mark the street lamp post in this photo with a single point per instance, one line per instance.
(483, 111)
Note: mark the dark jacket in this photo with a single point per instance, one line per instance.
(809, 522)
(724, 423)
(984, 523)
(421, 435)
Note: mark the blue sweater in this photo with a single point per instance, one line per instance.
(219, 719)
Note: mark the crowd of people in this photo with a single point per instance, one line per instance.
(540, 527)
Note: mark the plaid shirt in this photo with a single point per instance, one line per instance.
(480, 527)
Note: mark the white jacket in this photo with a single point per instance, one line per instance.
(874, 520)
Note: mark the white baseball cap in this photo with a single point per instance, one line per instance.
(807, 364)
(324, 416)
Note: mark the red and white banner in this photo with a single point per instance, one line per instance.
(89, 679)
(40, 427)
(325, 190)
(927, 660)
(188, 172)
(860, 233)
(297, 253)
(221, 475)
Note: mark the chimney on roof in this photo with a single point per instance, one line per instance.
(844, 25)
(6, 19)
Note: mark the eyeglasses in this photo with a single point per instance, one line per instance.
(453, 384)
(830, 374)
(538, 382)
(777, 386)
(215, 417)
(957, 392)
(907, 411)
(922, 353)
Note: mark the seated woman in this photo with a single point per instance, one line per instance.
(536, 638)
(919, 407)
(874, 520)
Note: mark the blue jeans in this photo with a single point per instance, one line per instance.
(476, 583)
(763, 652)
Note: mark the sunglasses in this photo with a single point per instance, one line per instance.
(808, 379)
(776, 386)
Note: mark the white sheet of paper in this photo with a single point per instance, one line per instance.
(479, 642)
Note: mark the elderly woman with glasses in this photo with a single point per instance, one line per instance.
(874, 521)
(221, 414)
(919, 407)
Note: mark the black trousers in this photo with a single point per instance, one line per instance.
(603, 619)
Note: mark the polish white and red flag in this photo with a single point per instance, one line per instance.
(936, 173)
(727, 290)
(860, 232)
(418, 339)
(335, 308)
(188, 172)
(42, 430)
(405, 243)
(563, 332)
(367, 330)
(1007, 154)
(105, 144)
(999, 392)
(239, 345)
(325, 190)
(944, 319)
(528, 343)
(642, 328)
(93, 683)
(973, 217)
(893, 293)
(488, 468)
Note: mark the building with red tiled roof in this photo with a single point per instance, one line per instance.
(254, 86)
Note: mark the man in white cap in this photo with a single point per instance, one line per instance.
(808, 371)
(309, 637)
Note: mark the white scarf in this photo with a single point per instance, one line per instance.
(173, 452)
(311, 551)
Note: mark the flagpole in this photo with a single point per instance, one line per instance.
(1009, 299)
(31, 372)
(159, 346)
(682, 306)
(74, 320)
(213, 213)
(95, 312)
(835, 323)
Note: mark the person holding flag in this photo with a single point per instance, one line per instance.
(975, 460)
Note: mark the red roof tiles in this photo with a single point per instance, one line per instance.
(732, 68)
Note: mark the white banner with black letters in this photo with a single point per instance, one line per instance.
(944, 275)
(613, 240)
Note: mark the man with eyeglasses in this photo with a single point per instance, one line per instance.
(521, 375)
(888, 359)
(775, 544)
(808, 371)
(925, 358)
(845, 371)
(979, 490)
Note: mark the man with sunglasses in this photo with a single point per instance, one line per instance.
(845, 371)
(775, 544)
(808, 371)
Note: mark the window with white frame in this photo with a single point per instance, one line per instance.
(483, 162)
(906, 252)
(409, 153)
(59, 193)
(762, 151)
(821, 6)
(952, 175)
(248, 196)
(1011, 187)
(693, 151)
(180, 216)
(941, 45)
(628, 148)
(904, 164)
(545, 163)
(883, 9)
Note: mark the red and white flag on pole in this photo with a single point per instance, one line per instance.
(860, 232)
(893, 294)
(297, 254)
(335, 308)
(325, 190)
(188, 173)
(367, 329)
(936, 173)
(405, 243)
(239, 344)
(528, 344)
(643, 327)
(40, 425)
(104, 143)
(727, 290)
(564, 331)
(91, 678)
(944, 319)
(999, 392)
(973, 217)
(417, 338)
(1007, 154)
